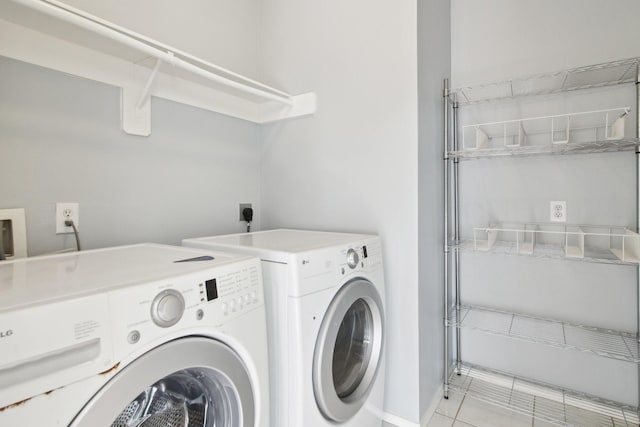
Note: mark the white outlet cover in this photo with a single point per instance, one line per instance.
(558, 211)
(60, 218)
(17, 218)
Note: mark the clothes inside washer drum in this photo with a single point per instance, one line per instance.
(183, 399)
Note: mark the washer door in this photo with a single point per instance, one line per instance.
(189, 382)
(348, 350)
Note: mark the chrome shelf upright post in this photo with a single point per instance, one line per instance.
(456, 231)
(638, 217)
(446, 236)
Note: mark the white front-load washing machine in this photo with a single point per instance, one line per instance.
(143, 335)
(325, 308)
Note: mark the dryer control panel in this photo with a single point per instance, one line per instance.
(323, 268)
(359, 257)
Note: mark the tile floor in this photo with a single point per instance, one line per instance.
(515, 401)
(464, 411)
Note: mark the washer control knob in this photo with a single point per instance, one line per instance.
(167, 308)
(352, 258)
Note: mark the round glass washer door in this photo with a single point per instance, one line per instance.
(348, 350)
(189, 382)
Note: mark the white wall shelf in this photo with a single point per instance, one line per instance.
(555, 333)
(592, 76)
(54, 35)
(601, 243)
(544, 402)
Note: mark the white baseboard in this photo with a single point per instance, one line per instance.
(401, 422)
(432, 406)
(398, 421)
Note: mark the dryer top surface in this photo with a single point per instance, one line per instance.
(281, 240)
(39, 279)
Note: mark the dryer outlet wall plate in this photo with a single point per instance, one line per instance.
(241, 207)
(13, 232)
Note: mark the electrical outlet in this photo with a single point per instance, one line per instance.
(64, 212)
(558, 211)
(241, 207)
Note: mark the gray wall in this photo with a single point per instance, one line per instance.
(499, 39)
(61, 142)
(353, 165)
(434, 59)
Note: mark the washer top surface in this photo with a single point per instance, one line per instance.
(30, 281)
(281, 240)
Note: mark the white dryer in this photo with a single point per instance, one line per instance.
(325, 306)
(142, 335)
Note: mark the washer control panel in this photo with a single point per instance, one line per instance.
(204, 298)
(235, 291)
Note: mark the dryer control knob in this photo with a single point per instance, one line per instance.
(352, 258)
(167, 308)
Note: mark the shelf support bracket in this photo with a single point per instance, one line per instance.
(134, 120)
(144, 96)
(135, 108)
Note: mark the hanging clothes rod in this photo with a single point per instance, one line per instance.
(153, 49)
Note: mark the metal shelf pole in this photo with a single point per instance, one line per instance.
(638, 215)
(456, 230)
(446, 236)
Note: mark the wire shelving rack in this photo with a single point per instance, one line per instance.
(563, 135)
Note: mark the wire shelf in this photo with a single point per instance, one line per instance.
(582, 132)
(543, 251)
(592, 147)
(555, 333)
(592, 76)
(559, 129)
(544, 402)
(592, 243)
